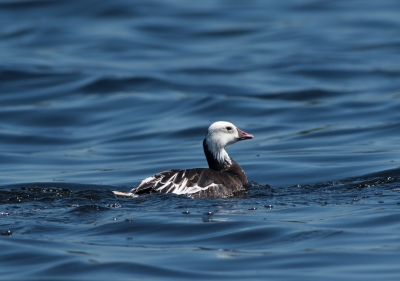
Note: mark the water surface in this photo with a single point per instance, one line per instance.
(97, 96)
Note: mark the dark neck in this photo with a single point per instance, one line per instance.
(213, 163)
(216, 165)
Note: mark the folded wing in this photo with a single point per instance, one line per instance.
(203, 182)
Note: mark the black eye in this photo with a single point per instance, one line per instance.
(229, 128)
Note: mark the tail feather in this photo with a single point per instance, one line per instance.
(125, 194)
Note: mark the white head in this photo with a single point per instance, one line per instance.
(221, 134)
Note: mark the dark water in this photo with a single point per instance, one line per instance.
(97, 95)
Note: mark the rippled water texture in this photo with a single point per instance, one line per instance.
(97, 95)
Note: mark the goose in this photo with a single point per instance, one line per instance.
(222, 178)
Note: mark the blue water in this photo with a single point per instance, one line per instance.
(97, 95)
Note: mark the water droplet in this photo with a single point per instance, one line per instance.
(73, 205)
(115, 205)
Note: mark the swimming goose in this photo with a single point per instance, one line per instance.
(223, 178)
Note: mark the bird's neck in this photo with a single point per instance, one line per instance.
(217, 158)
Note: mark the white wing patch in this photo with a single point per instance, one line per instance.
(196, 188)
(173, 184)
(182, 188)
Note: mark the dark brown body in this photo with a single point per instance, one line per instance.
(221, 179)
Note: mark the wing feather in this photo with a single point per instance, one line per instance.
(199, 182)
